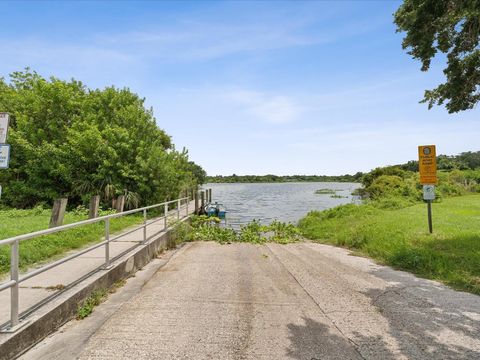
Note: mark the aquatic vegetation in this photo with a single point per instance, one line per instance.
(210, 229)
(324, 191)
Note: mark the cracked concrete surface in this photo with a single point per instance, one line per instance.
(298, 301)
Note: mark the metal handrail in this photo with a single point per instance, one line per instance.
(14, 243)
(80, 223)
(6, 285)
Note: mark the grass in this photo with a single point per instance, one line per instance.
(16, 222)
(400, 237)
(96, 298)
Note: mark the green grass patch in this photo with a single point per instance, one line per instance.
(16, 222)
(95, 299)
(399, 237)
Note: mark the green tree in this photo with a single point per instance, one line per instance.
(198, 173)
(68, 140)
(394, 171)
(470, 159)
(451, 27)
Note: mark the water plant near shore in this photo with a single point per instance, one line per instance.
(203, 228)
(325, 192)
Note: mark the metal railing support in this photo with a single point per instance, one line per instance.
(178, 209)
(144, 226)
(14, 289)
(107, 244)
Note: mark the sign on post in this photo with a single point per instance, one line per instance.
(4, 156)
(428, 192)
(4, 118)
(4, 149)
(427, 164)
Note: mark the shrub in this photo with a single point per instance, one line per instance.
(392, 202)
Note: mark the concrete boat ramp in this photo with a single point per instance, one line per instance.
(298, 301)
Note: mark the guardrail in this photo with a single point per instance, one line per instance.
(14, 243)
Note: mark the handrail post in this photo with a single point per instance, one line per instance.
(178, 208)
(14, 256)
(107, 243)
(165, 218)
(144, 226)
(188, 200)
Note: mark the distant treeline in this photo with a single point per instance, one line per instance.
(287, 178)
(464, 161)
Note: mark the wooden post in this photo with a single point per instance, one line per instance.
(94, 206)
(120, 203)
(202, 203)
(196, 203)
(58, 212)
(210, 195)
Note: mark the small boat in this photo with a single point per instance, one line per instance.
(216, 209)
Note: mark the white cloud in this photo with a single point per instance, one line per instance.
(186, 41)
(275, 109)
(36, 50)
(206, 41)
(95, 65)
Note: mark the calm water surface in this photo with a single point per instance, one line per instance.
(287, 202)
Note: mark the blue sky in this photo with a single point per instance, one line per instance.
(250, 87)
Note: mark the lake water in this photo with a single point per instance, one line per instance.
(287, 202)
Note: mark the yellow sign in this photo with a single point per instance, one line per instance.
(427, 164)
